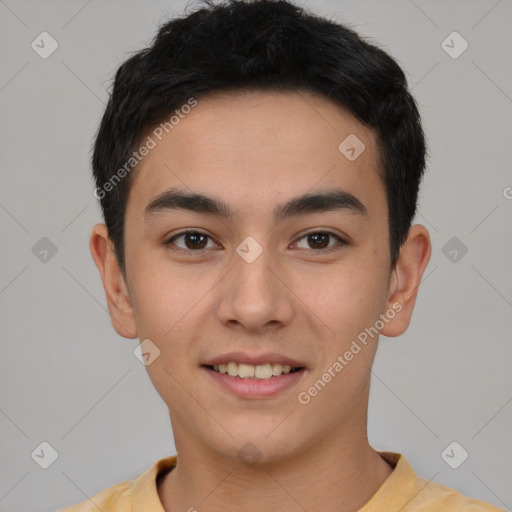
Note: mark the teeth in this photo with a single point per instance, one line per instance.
(245, 370)
(263, 371)
(249, 371)
(232, 369)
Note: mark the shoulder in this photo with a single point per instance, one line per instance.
(433, 496)
(404, 490)
(113, 498)
(140, 493)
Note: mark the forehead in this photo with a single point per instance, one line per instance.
(253, 146)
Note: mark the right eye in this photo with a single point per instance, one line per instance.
(192, 241)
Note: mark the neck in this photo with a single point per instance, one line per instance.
(332, 475)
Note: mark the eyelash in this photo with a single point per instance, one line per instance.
(341, 241)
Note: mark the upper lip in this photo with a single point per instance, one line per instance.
(255, 360)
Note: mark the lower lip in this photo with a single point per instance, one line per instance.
(255, 388)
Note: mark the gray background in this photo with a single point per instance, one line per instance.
(67, 378)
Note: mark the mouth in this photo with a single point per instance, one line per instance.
(254, 376)
(248, 371)
(262, 380)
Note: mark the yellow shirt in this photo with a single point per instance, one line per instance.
(403, 491)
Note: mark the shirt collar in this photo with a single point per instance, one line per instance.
(393, 494)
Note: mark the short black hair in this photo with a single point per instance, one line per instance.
(275, 45)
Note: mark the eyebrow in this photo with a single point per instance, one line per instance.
(329, 200)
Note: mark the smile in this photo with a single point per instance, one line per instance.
(254, 381)
(249, 371)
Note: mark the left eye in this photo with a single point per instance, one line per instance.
(320, 240)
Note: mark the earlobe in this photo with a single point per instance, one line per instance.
(116, 289)
(404, 284)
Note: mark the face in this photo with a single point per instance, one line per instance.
(265, 275)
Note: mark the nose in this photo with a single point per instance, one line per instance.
(254, 297)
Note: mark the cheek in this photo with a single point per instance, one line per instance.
(151, 305)
(170, 309)
(348, 297)
(166, 307)
(350, 304)
(356, 297)
(164, 299)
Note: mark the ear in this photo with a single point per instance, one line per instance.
(116, 289)
(406, 278)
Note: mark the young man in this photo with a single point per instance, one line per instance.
(258, 170)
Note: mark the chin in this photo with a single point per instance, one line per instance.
(263, 442)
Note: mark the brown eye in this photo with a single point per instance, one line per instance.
(191, 240)
(320, 240)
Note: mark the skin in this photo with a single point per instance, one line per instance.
(255, 150)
